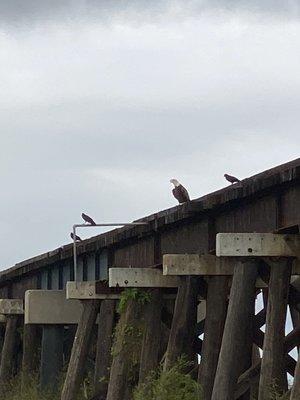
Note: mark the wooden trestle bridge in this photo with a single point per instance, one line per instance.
(202, 265)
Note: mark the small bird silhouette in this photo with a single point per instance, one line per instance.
(88, 219)
(231, 179)
(77, 238)
(179, 192)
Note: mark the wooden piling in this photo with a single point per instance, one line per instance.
(216, 308)
(151, 345)
(183, 329)
(8, 349)
(236, 345)
(30, 357)
(273, 370)
(51, 357)
(295, 394)
(126, 353)
(104, 344)
(80, 349)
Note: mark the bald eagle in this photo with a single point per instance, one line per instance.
(231, 179)
(180, 193)
(77, 238)
(88, 219)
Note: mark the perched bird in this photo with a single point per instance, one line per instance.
(88, 219)
(231, 179)
(180, 193)
(77, 238)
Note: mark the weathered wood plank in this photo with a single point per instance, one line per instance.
(104, 345)
(257, 244)
(273, 366)
(216, 308)
(182, 334)
(236, 345)
(140, 277)
(80, 349)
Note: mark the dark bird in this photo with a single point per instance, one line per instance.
(88, 219)
(77, 238)
(180, 193)
(231, 179)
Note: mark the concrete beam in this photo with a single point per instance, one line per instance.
(87, 291)
(206, 264)
(11, 306)
(257, 245)
(51, 307)
(141, 277)
(196, 264)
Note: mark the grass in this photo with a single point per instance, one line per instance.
(174, 384)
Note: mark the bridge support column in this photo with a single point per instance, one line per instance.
(80, 349)
(51, 357)
(151, 345)
(104, 344)
(236, 348)
(8, 349)
(30, 361)
(126, 353)
(216, 308)
(273, 371)
(183, 329)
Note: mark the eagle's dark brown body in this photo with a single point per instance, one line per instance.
(77, 237)
(88, 219)
(231, 179)
(181, 194)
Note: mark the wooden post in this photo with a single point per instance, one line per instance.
(183, 329)
(295, 395)
(216, 308)
(273, 370)
(126, 353)
(236, 345)
(30, 359)
(51, 357)
(152, 335)
(80, 349)
(104, 344)
(8, 350)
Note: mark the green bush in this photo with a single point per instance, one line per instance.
(174, 384)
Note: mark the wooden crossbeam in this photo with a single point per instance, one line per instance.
(257, 245)
(205, 264)
(11, 306)
(141, 277)
(51, 307)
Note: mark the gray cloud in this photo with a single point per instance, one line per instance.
(17, 11)
(98, 117)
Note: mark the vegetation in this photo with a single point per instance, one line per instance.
(141, 296)
(174, 384)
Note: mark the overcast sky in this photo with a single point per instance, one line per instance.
(102, 102)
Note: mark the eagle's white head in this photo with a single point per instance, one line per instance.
(175, 182)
